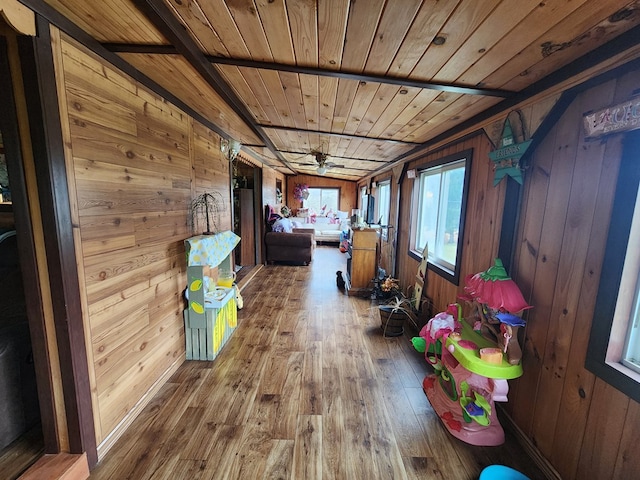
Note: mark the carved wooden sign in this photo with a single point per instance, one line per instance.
(622, 117)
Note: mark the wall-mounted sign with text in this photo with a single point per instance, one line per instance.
(617, 118)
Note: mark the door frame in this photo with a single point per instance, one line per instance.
(42, 122)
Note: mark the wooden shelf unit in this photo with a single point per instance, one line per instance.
(362, 265)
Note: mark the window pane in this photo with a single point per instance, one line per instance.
(428, 216)
(632, 354)
(384, 193)
(453, 183)
(440, 195)
(323, 198)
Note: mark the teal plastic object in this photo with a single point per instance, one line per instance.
(501, 472)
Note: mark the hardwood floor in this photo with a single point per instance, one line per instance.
(306, 388)
(23, 452)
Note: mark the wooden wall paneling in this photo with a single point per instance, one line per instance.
(348, 194)
(136, 191)
(555, 204)
(126, 23)
(599, 449)
(269, 178)
(106, 233)
(578, 386)
(574, 246)
(212, 171)
(84, 70)
(209, 105)
(579, 382)
(485, 218)
(627, 462)
(527, 248)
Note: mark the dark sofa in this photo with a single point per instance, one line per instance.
(293, 247)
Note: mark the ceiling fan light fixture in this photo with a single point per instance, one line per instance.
(321, 170)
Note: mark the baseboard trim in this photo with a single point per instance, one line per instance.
(126, 422)
(60, 466)
(247, 278)
(528, 446)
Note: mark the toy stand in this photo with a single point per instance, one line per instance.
(211, 316)
(465, 388)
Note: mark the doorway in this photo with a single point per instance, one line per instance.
(247, 184)
(21, 434)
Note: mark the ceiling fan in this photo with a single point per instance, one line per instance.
(323, 164)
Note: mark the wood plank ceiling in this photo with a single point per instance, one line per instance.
(366, 82)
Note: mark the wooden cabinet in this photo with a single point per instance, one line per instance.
(245, 229)
(362, 266)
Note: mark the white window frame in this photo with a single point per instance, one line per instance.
(384, 206)
(623, 352)
(322, 189)
(436, 260)
(384, 202)
(363, 203)
(614, 333)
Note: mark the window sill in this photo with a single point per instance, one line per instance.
(440, 270)
(632, 374)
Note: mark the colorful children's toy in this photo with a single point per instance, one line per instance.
(211, 315)
(464, 387)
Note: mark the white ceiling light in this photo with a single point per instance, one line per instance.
(321, 170)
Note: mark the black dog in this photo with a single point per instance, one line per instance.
(340, 280)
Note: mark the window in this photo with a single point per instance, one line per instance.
(614, 344)
(323, 198)
(631, 357)
(384, 202)
(363, 202)
(384, 205)
(438, 213)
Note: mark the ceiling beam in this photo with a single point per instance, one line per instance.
(63, 23)
(160, 15)
(335, 134)
(618, 45)
(315, 71)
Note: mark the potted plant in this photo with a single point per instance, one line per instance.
(399, 307)
(207, 208)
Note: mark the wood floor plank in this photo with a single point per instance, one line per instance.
(306, 388)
